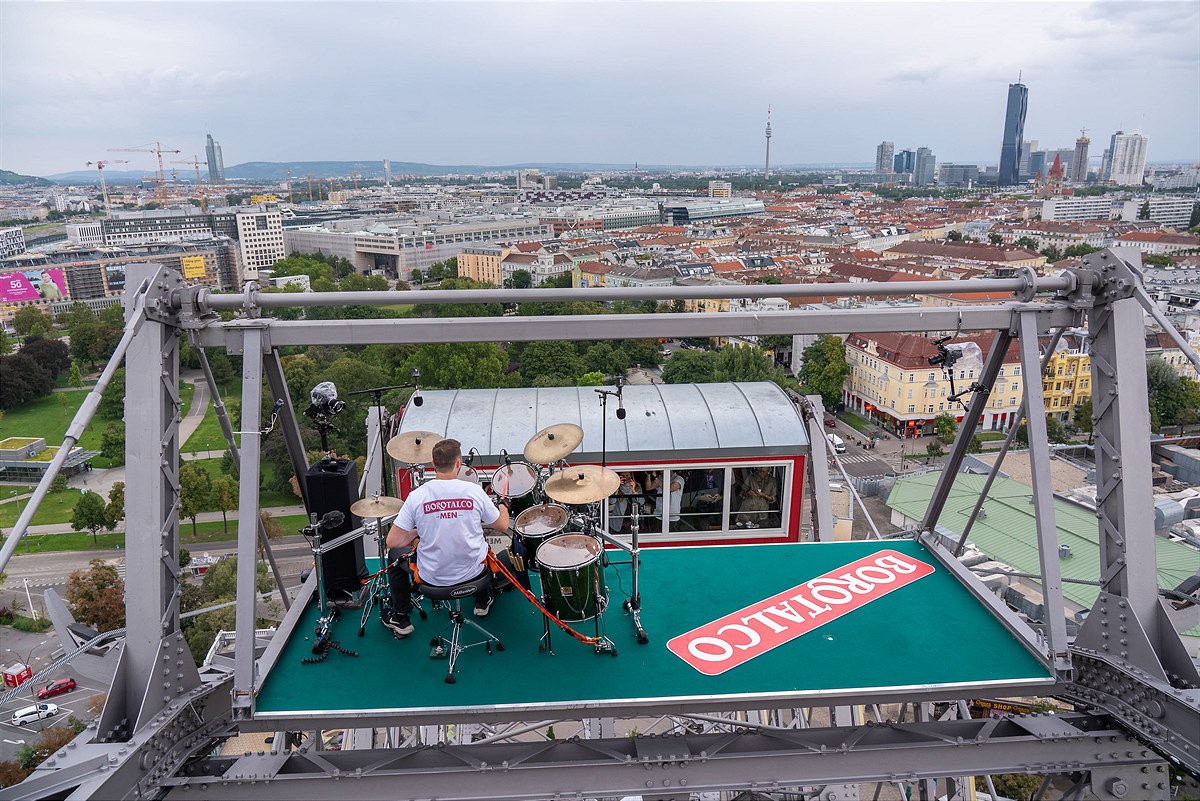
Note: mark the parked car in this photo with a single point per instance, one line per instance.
(31, 714)
(666, 352)
(830, 422)
(56, 687)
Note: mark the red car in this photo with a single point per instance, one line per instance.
(56, 687)
(829, 422)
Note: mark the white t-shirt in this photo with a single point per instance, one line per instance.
(448, 515)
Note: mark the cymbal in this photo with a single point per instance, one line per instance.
(379, 506)
(553, 443)
(413, 447)
(585, 483)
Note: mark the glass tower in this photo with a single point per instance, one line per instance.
(1014, 131)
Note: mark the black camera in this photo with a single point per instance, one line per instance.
(324, 400)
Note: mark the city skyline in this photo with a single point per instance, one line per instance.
(405, 82)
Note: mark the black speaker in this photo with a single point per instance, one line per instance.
(333, 486)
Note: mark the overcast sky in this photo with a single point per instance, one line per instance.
(498, 83)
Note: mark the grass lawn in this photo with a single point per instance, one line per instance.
(56, 508)
(857, 423)
(266, 498)
(82, 541)
(208, 436)
(991, 436)
(50, 417)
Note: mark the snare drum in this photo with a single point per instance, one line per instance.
(537, 524)
(468, 474)
(572, 577)
(514, 480)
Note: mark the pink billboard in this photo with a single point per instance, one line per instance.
(48, 284)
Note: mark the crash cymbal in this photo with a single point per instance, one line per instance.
(585, 483)
(553, 443)
(379, 506)
(413, 447)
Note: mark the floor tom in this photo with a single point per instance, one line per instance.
(537, 524)
(572, 576)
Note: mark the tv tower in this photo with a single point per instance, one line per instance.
(767, 168)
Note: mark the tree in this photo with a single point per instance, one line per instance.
(954, 236)
(195, 488)
(1082, 415)
(945, 426)
(1174, 399)
(1018, 786)
(112, 400)
(1026, 242)
(691, 367)
(22, 380)
(975, 445)
(114, 510)
(1052, 253)
(742, 364)
(592, 379)
(1078, 251)
(1144, 211)
(1055, 432)
(458, 365)
(271, 526)
(602, 357)
(225, 496)
(112, 441)
(521, 279)
(76, 379)
(97, 596)
(88, 514)
(51, 354)
(995, 239)
(934, 449)
(1195, 218)
(417, 275)
(551, 359)
(825, 370)
(27, 318)
(6, 343)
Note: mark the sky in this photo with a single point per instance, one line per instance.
(657, 83)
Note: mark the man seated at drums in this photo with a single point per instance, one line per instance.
(448, 515)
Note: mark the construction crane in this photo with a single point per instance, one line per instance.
(197, 164)
(100, 165)
(158, 151)
(310, 177)
(291, 199)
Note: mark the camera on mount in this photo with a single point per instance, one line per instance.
(324, 401)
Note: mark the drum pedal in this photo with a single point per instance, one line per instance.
(438, 650)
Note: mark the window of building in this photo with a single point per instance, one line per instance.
(1016, 371)
(912, 408)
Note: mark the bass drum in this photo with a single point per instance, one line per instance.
(537, 524)
(573, 577)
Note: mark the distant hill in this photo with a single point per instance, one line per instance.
(10, 178)
(278, 170)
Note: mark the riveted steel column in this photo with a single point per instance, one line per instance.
(244, 680)
(1043, 492)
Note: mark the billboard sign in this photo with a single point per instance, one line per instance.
(736, 638)
(193, 266)
(114, 275)
(47, 284)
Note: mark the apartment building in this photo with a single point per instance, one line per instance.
(1067, 381)
(12, 241)
(892, 383)
(261, 240)
(482, 263)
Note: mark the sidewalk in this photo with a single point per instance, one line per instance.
(203, 517)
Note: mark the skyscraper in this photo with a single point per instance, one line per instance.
(216, 165)
(1014, 131)
(904, 161)
(884, 156)
(1126, 159)
(1028, 148)
(1079, 164)
(387, 172)
(923, 168)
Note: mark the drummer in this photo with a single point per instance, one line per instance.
(448, 514)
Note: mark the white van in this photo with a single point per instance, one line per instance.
(34, 713)
(839, 445)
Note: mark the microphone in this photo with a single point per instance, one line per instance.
(620, 401)
(504, 456)
(416, 396)
(471, 454)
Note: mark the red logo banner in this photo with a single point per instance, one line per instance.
(741, 636)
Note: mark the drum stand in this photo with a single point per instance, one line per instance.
(379, 588)
(323, 641)
(633, 604)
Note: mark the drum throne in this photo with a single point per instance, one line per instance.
(452, 646)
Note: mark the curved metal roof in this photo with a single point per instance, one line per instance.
(662, 420)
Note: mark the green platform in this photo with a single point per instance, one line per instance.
(930, 635)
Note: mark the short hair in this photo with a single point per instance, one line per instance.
(445, 453)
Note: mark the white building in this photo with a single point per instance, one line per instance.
(1078, 208)
(12, 242)
(1173, 212)
(85, 233)
(260, 235)
(720, 189)
(1126, 159)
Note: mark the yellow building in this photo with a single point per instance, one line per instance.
(892, 383)
(482, 264)
(1067, 381)
(255, 199)
(590, 274)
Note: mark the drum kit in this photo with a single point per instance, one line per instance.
(555, 530)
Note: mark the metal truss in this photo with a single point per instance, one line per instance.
(1127, 667)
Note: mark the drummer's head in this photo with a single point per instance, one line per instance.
(446, 454)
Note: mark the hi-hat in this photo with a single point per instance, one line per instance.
(553, 443)
(585, 483)
(378, 506)
(413, 447)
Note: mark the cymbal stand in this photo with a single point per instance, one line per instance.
(323, 641)
(377, 587)
(603, 644)
(632, 604)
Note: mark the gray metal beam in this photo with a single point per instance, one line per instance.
(276, 300)
(766, 761)
(244, 679)
(632, 326)
(1043, 495)
(818, 469)
(287, 424)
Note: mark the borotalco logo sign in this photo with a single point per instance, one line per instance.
(741, 636)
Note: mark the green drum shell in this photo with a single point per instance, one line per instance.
(572, 576)
(536, 525)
